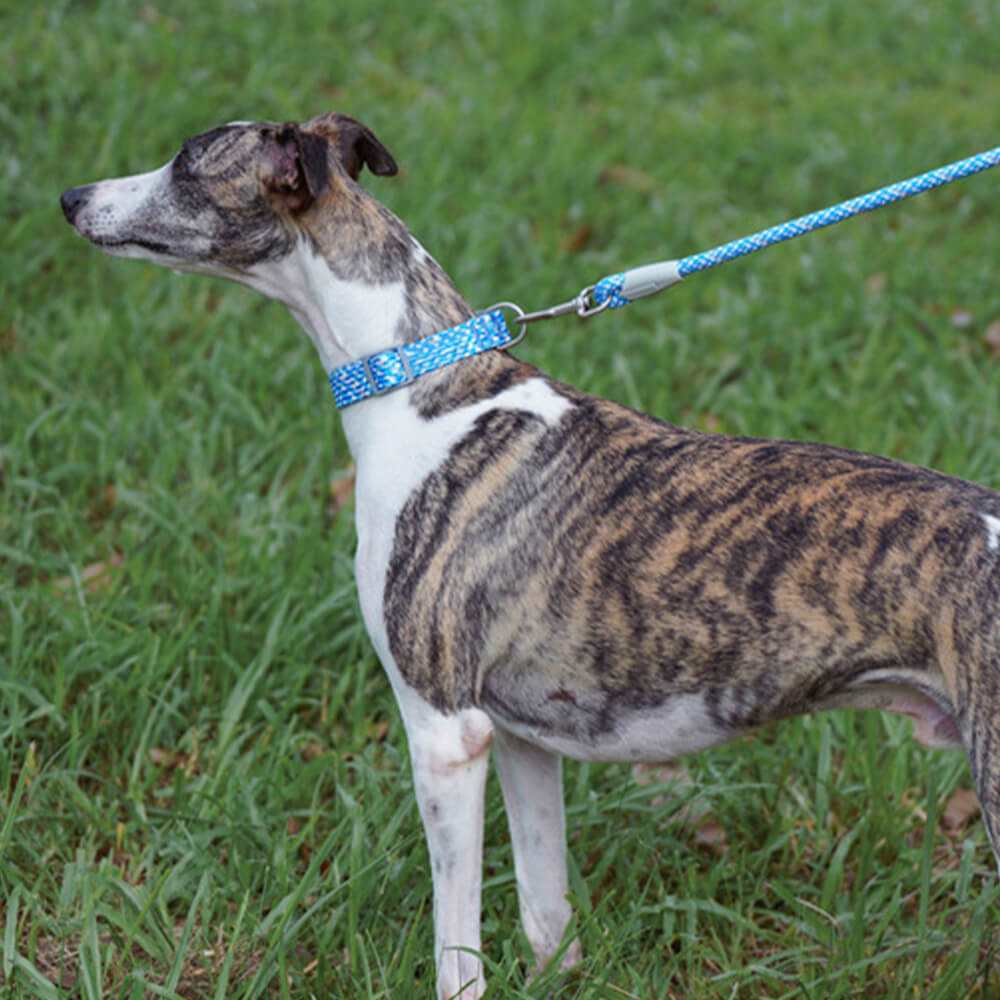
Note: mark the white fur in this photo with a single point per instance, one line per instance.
(993, 531)
(394, 450)
(344, 319)
(115, 202)
(393, 447)
(679, 726)
(531, 780)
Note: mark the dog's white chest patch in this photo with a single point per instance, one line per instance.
(992, 531)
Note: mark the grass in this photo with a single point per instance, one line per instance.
(204, 786)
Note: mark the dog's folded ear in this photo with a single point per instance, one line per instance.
(354, 143)
(296, 166)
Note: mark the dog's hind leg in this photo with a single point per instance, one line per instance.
(978, 724)
(531, 780)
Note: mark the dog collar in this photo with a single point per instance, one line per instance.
(395, 367)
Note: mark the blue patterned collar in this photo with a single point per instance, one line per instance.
(399, 366)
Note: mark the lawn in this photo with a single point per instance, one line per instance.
(204, 782)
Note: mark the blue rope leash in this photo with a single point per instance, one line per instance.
(837, 213)
(617, 290)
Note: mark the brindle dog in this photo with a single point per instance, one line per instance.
(552, 573)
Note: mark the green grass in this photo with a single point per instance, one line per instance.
(204, 786)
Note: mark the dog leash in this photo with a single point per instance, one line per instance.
(398, 366)
(617, 290)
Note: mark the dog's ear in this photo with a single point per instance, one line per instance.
(295, 165)
(355, 144)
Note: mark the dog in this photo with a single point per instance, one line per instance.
(545, 573)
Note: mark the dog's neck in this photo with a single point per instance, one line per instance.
(360, 288)
(346, 317)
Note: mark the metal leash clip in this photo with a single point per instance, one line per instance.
(582, 305)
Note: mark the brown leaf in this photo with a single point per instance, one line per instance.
(646, 774)
(377, 730)
(313, 750)
(579, 238)
(626, 176)
(695, 815)
(96, 578)
(876, 283)
(712, 837)
(341, 491)
(162, 757)
(961, 807)
(175, 760)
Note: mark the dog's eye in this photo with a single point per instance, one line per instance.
(182, 163)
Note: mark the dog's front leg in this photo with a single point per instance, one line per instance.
(531, 780)
(450, 755)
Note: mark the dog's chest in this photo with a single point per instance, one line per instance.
(395, 450)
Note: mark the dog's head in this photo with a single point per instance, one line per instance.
(231, 198)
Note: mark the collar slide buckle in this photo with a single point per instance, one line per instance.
(386, 383)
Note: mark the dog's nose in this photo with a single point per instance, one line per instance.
(74, 199)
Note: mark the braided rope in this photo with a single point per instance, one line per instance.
(837, 213)
(611, 286)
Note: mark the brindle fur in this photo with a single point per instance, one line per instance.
(573, 570)
(770, 576)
